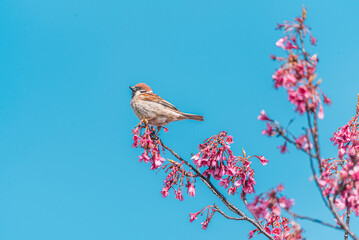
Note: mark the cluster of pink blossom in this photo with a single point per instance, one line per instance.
(176, 176)
(144, 137)
(210, 212)
(267, 209)
(297, 73)
(340, 177)
(302, 142)
(233, 172)
(346, 138)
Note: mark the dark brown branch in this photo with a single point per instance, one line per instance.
(316, 178)
(216, 192)
(315, 139)
(244, 199)
(330, 202)
(340, 220)
(225, 215)
(347, 222)
(312, 219)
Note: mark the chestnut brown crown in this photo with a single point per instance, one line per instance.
(143, 86)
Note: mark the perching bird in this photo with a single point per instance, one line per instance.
(157, 111)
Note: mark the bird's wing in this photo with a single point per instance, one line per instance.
(152, 97)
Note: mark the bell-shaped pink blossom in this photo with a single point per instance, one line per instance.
(263, 116)
(263, 160)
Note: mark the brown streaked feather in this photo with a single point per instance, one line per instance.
(193, 116)
(152, 97)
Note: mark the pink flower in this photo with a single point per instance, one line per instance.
(136, 138)
(248, 188)
(276, 210)
(190, 189)
(144, 157)
(302, 142)
(281, 42)
(289, 80)
(285, 44)
(231, 170)
(193, 216)
(326, 100)
(164, 192)
(205, 224)
(258, 208)
(313, 40)
(283, 148)
(263, 160)
(165, 129)
(280, 188)
(156, 159)
(339, 204)
(321, 112)
(229, 140)
(269, 131)
(232, 190)
(278, 78)
(224, 182)
(299, 98)
(263, 116)
(277, 231)
(286, 203)
(179, 195)
(251, 233)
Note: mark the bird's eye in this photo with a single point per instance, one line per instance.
(142, 91)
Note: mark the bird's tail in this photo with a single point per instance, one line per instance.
(193, 117)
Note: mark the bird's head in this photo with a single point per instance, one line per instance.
(140, 88)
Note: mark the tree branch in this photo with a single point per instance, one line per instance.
(225, 215)
(315, 138)
(330, 202)
(216, 192)
(281, 133)
(348, 220)
(312, 219)
(340, 220)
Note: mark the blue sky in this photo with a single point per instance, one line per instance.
(67, 169)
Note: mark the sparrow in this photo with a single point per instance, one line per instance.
(155, 110)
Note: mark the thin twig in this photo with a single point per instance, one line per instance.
(312, 219)
(281, 133)
(316, 178)
(225, 215)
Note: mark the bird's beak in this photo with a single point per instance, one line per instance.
(132, 88)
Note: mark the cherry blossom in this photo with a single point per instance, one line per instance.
(233, 172)
(297, 71)
(143, 137)
(267, 208)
